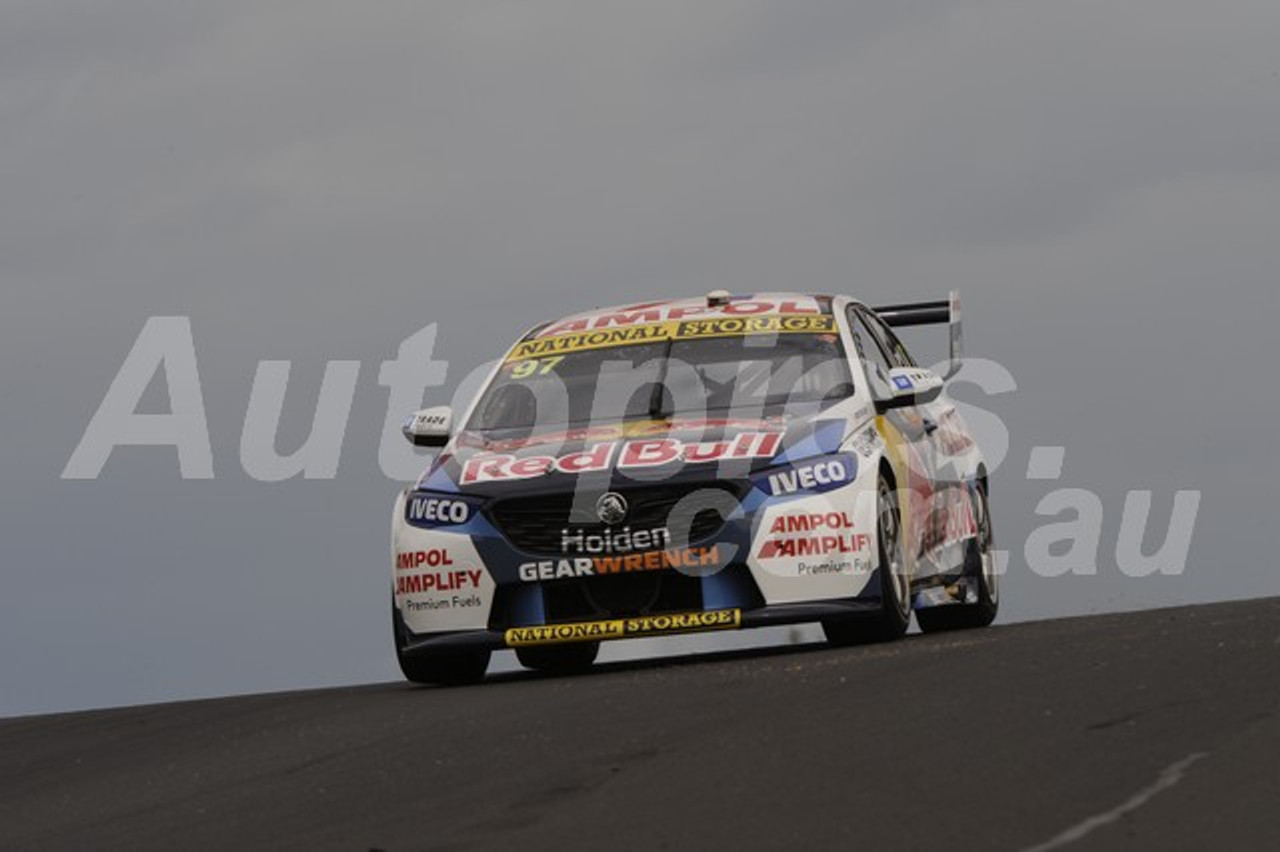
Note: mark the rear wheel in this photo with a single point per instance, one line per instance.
(450, 668)
(559, 659)
(895, 585)
(979, 568)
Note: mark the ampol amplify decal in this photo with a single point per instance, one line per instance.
(624, 628)
(814, 547)
(438, 580)
(813, 534)
(447, 580)
(645, 453)
(813, 476)
(685, 558)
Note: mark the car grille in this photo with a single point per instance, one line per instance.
(622, 596)
(535, 524)
(647, 593)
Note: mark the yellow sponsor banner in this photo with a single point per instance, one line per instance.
(624, 628)
(602, 338)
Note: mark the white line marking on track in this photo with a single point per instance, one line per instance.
(1169, 777)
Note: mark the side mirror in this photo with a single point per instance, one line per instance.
(430, 427)
(911, 386)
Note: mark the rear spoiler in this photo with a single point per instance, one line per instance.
(942, 312)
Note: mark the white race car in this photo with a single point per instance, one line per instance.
(694, 465)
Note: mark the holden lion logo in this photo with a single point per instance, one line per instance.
(611, 508)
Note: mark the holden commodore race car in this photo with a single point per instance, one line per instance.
(695, 465)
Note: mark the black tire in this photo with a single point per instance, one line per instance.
(979, 564)
(452, 668)
(559, 659)
(895, 587)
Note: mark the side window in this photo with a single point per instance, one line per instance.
(898, 353)
(869, 348)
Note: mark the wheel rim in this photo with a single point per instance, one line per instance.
(890, 535)
(986, 545)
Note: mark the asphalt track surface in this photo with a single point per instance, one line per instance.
(1156, 730)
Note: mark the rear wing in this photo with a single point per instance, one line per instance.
(946, 311)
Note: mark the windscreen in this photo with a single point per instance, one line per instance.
(741, 376)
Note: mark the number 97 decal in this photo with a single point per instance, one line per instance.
(534, 367)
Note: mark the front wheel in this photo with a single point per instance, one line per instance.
(895, 584)
(451, 668)
(979, 568)
(559, 659)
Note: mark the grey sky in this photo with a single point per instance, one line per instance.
(315, 181)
